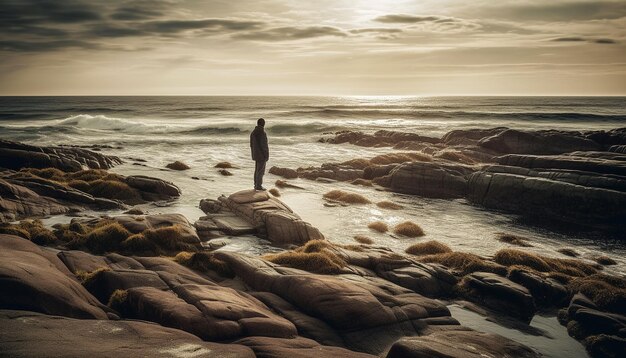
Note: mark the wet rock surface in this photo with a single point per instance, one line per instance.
(15, 155)
(437, 180)
(459, 343)
(66, 337)
(601, 332)
(581, 190)
(29, 281)
(255, 212)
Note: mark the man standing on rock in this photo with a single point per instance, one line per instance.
(260, 152)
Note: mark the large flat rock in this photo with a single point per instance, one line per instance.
(29, 281)
(459, 344)
(29, 334)
(255, 212)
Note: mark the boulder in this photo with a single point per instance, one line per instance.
(602, 333)
(547, 292)
(459, 343)
(15, 155)
(153, 188)
(381, 138)
(499, 294)
(513, 141)
(469, 136)
(367, 313)
(250, 211)
(210, 206)
(586, 193)
(435, 180)
(29, 334)
(17, 202)
(296, 347)
(284, 172)
(29, 281)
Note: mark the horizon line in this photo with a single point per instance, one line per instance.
(313, 95)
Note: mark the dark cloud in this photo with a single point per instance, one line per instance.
(28, 12)
(176, 26)
(605, 41)
(407, 19)
(133, 13)
(43, 46)
(582, 39)
(433, 23)
(569, 39)
(290, 33)
(376, 30)
(556, 11)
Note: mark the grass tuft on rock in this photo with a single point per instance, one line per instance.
(389, 205)
(106, 238)
(274, 192)
(428, 248)
(346, 197)
(608, 292)
(88, 278)
(113, 189)
(363, 239)
(177, 165)
(322, 262)
(509, 257)
(170, 238)
(408, 229)
(379, 226)
(97, 182)
(32, 230)
(117, 301)
(203, 262)
(513, 240)
(465, 263)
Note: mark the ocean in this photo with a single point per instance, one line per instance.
(202, 131)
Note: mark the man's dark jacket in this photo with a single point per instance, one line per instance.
(258, 144)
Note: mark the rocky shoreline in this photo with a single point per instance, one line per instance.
(157, 284)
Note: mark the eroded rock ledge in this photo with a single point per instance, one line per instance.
(556, 177)
(40, 181)
(254, 212)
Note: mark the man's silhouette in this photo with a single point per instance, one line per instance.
(260, 152)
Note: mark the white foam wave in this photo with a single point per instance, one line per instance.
(102, 122)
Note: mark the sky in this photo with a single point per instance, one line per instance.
(322, 47)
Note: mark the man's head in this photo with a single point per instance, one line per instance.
(260, 122)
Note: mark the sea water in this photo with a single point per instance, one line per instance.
(202, 131)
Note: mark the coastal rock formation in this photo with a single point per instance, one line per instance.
(29, 281)
(29, 334)
(368, 314)
(602, 333)
(381, 138)
(255, 212)
(15, 155)
(18, 202)
(574, 188)
(39, 192)
(437, 180)
(284, 172)
(513, 141)
(500, 294)
(459, 343)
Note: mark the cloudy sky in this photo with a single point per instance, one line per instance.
(322, 47)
